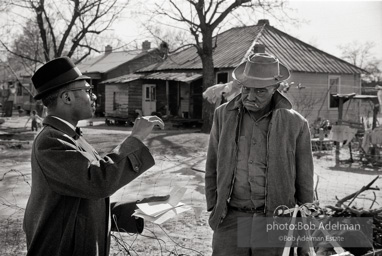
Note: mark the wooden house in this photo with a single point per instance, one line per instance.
(115, 64)
(174, 86)
(160, 93)
(16, 91)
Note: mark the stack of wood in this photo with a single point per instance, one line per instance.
(344, 209)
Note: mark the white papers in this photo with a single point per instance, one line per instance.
(156, 208)
(161, 218)
(176, 194)
(159, 212)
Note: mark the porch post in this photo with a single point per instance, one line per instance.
(167, 98)
(339, 122)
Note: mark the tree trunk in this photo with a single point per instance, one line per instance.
(208, 108)
(208, 80)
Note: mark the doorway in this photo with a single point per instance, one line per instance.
(149, 99)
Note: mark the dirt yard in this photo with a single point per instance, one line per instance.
(180, 157)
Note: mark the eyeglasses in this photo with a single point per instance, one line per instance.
(88, 90)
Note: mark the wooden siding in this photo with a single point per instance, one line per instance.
(196, 102)
(312, 99)
(161, 97)
(173, 99)
(135, 96)
(109, 96)
(184, 110)
(134, 99)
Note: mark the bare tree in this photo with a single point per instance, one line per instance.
(4, 6)
(177, 39)
(360, 54)
(65, 27)
(203, 20)
(27, 44)
(304, 100)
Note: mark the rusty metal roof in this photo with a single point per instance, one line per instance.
(182, 77)
(350, 96)
(302, 57)
(123, 79)
(107, 62)
(233, 45)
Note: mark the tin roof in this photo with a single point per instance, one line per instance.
(233, 45)
(123, 79)
(182, 77)
(346, 97)
(107, 62)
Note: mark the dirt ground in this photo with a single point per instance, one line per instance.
(180, 156)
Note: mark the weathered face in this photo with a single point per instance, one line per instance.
(84, 99)
(256, 99)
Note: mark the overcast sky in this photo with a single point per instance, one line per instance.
(333, 23)
(328, 24)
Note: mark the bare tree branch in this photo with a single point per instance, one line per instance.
(65, 26)
(360, 54)
(69, 28)
(18, 54)
(228, 10)
(86, 54)
(203, 28)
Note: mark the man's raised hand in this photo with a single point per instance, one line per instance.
(144, 125)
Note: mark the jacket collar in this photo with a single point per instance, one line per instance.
(61, 126)
(279, 101)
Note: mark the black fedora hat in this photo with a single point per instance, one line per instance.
(55, 74)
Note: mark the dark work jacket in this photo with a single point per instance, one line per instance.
(289, 171)
(68, 211)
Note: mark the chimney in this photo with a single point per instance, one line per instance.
(163, 48)
(263, 22)
(108, 49)
(259, 48)
(146, 45)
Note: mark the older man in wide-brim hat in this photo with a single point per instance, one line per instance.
(259, 157)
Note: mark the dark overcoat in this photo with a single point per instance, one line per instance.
(68, 211)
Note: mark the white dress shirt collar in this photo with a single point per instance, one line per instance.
(66, 122)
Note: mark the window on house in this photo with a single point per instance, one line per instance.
(222, 77)
(334, 83)
(153, 94)
(114, 101)
(120, 101)
(150, 94)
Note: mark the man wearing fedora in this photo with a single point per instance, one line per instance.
(259, 157)
(69, 210)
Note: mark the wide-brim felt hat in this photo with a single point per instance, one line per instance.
(260, 70)
(54, 75)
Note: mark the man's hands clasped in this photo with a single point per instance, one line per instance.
(144, 125)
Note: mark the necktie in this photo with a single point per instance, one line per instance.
(88, 151)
